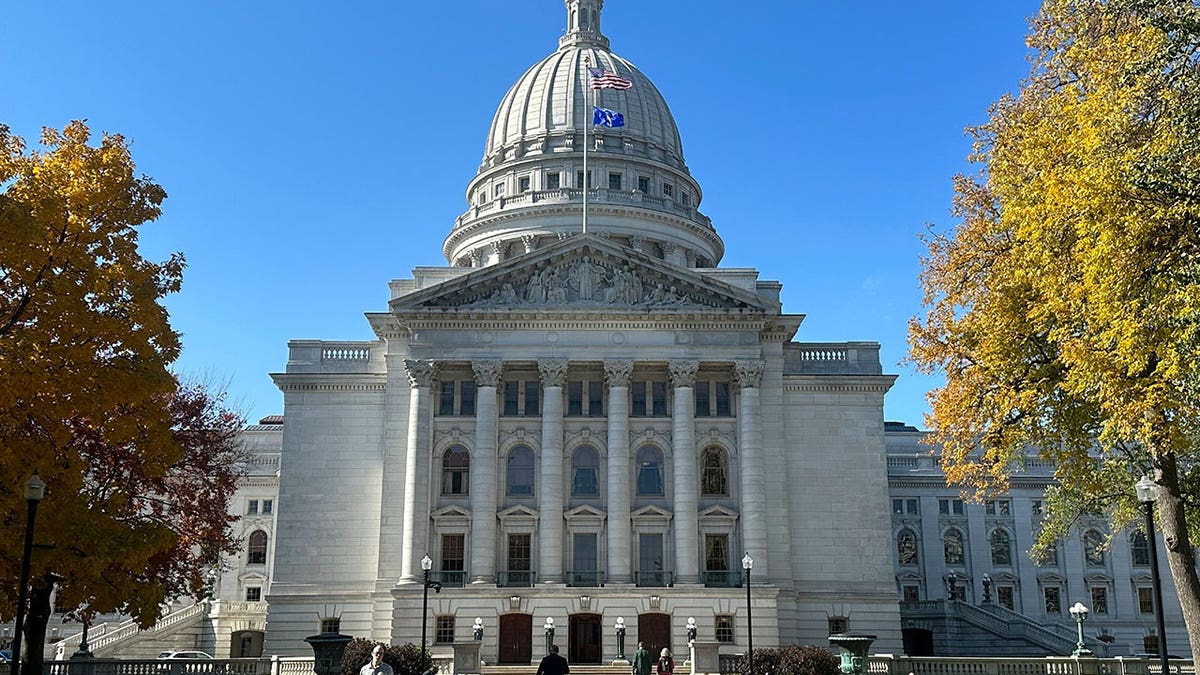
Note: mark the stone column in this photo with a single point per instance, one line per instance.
(686, 483)
(620, 528)
(551, 496)
(416, 470)
(753, 485)
(483, 472)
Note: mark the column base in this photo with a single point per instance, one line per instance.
(483, 581)
(619, 662)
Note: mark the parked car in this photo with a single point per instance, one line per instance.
(184, 654)
(5, 655)
(187, 661)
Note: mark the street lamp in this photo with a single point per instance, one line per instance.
(549, 626)
(987, 588)
(747, 564)
(1080, 613)
(1147, 492)
(691, 629)
(477, 629)
(620, 628)
(426, 565)
(35, 489)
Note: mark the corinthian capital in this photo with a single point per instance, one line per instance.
(748, 373)
(683, 373)
(554, 373)
(617, 373)
(487, 373)
(420, 373)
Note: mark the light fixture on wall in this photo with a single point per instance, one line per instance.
(514, 602)
(585, 602)
(655, 602)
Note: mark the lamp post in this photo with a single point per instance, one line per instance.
(426, 565)
(1080, 614)
(747, 564)
(691, 629)
(1147, 492)
(620, 628)
(35, 489)
(987, 588)
(477, 629)
(549, 626)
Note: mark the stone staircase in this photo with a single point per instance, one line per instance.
(1011, 625)
(106, 640)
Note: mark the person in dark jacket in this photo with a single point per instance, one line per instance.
(666, 665)
(641, 660)
(553, 664)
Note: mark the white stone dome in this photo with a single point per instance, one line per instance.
(529, 187)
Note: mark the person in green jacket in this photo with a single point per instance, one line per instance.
(641, 660)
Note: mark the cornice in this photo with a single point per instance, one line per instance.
(330, 381)
(838, 383)
(439, 318)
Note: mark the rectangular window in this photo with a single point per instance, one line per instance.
(574, 399)
(253, 594)
(268, 506)
(912, 506)
(579, 179)
(1004, 596)
(997, 507)
(658, 397)
(595, 399)
(716, 561)
(553, 180)
(722, 396)
(644, 184)
(838, 624)
(1099, 600)
(466, 395)
(523, 184)
(685, 198)
(637, 400)
(912, 593)
(511, 406)
(651, 570)
(668, 190)
(614, 181)
(453, 553)
(897, 506)
(724, 628)
(948, 507)
(446, 400)
(1145, 596)
(499, 190)
(702, 400)
(585, 557)
(531, 408)
(1053, 599)
(252, 507)
(1036, 507)
(444, 633)
(519, 573)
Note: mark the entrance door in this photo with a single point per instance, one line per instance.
(918, 641)
(516, 639)
(655, 631)
(585, 639)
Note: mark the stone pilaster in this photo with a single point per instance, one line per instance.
(750, 448)
(483, 472)
(416, 469)
(551, 495)
(620, 527)
(686, 484)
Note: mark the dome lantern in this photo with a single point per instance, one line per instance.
(583, 25)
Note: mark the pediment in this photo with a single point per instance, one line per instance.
(517, 513)
(718, 513)
(651, 513)
(585, 512)
(1051, 577)
(583, 272)
(451, 513)
(909, 576)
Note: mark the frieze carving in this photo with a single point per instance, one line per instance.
(683, 373)
(554, 373)
(617, 373)
(487, 373)
(748, 373)
(420, 373)
(587, 280)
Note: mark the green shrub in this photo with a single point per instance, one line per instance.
(404, 659)
(793, 660)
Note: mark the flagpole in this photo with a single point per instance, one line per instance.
(587, 62)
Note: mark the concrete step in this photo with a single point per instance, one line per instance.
(577, 669)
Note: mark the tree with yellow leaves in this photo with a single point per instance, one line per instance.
(1064, 307)
(139, 468)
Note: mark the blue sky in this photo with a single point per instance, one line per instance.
(313, 151)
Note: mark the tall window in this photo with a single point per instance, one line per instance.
(585, 398)
(519, 572)
(453, 559)
(1139, 549)
(1004, 596)
(724, 628)
(1093, 548)
(1001, 547)
(648, 398)
(256, 548)
(952, 545)
(456, 468)
(1052, 597)
(1145, 598)
(585, 558)
(520, 471)
(651, 569)
(521, 398)
(714, 477)
(713, 399)
(716, 560)
(1100, 599)
(585, 469)
(649, 472)
(906, 547)
(553, 180)
(998, 507)
(948, 507)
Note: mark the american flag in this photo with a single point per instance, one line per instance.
(602, 79)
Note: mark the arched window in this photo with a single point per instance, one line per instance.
(714, 475)
(1093, 548)
(906, 547)
(520, 471)
(649, 471)
(456, 471)
(1001, 547)
(585, 470)
(952, 544)
(1139, 549)
(256, 548)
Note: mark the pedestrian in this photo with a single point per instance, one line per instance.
(376, 666)
(641, 660)
(553, 664)
(666, 665)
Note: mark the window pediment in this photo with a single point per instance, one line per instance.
(451, 515)
(652, 514)
(718, 515)
(585, 514)
(518, 515)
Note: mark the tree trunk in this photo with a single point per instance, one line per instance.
(1180, 555)
(35, 625)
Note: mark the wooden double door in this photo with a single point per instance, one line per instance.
(516, 639)
(586, 641)
(654, 629)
